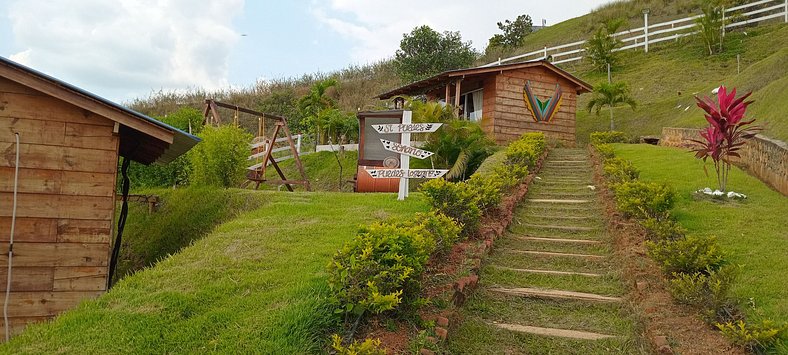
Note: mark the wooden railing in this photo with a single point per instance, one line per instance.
(259, 149)
(660, 32)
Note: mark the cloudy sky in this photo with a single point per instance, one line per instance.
(122, 49)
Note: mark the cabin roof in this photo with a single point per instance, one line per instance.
(143, 138)
(421, 86)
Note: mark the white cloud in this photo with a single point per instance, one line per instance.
(121, 49)
(376, 26)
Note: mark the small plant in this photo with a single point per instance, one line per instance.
(488, 190)
(708, 291)
(610, 95)
(598, 138)
(220, 159)
(753, 336)
(457, 200)
(710, 25)
(441, 228)
(600, 46)
(526, 150)
(688, 255)
(606, 151)
(367, 347)
(643, 200)
(727, 131)
(663, 229)
(619, 170)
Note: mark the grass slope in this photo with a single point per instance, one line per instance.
(254, 285)
(752, 232)
(183, 216)
(321, 169)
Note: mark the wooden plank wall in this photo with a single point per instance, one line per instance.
(65, 202)
(509, 114)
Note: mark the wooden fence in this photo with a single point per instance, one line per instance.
(732, 18)
(259, 149)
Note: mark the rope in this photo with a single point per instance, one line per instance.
(124, 211)
(11, 244)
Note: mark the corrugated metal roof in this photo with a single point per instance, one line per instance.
(182, 141)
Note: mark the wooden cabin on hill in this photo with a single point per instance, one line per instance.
(69, 144)
(509, 99)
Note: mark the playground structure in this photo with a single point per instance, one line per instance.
(263, 147)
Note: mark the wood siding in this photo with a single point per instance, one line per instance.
(509, 118)
(66, 200)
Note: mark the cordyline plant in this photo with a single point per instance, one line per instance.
(727, 131)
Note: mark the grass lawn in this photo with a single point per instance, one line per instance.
(321, 169)
(752, 232)
(255, 284)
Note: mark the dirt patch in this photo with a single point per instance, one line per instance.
(669, 327)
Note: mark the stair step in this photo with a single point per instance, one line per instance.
(554, 294)
(548, 272)
(553, 332)
(560, 240)
(564, 228)
(543, 200)
(551, 253)
(541, 216)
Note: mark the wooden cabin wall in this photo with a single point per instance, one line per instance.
(66, 199)
(511, 118)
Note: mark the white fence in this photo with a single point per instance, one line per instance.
(746, 14)
(264, 146)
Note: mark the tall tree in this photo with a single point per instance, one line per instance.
(610, 95)
(424, 52)
(312, 104)
(514, 32)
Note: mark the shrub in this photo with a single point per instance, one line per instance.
(488, 190)
(379, 268)
(221, 158)
(526, 150)
(663, 229)
(644, 200)
(709, 291)
(443, 230)
(456, 200)
(691, 254)
(619, 170)
(605, 151)
(753, 336)
(492, 162)
(598, 138)
(367, 347)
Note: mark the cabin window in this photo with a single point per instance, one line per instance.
(471, 105)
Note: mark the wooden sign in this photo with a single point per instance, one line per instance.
(406, 174)
(405, 149)
(407, 128)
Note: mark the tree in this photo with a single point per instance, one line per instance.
(599, 48)
(710, 25)
(460, 146)
(610, 95)
(312, 104)
(284, 103)
(424, 52)
(514, 33)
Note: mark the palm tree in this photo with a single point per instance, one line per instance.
(311, 105)
(610, 95)
(459, 146)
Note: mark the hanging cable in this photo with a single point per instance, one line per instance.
(124, 211)
(11, 244)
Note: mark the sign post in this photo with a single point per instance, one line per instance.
(405, 151)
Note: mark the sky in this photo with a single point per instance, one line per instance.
(122, 49)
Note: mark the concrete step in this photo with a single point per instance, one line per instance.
(548, 272)
(560, 240)
(553, 332)
(559, 201)
(555, 294)
(563, 228)
(550, 253)
(558, 217)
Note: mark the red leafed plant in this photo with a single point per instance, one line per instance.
(727, 131)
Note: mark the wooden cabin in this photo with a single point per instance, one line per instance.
(508, 100)
(69, 146)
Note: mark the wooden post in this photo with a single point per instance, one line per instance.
(457, 93)
(404, 158)
(260, 126)
(448, 91)
(294, 151)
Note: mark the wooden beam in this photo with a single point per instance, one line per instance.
(56, 90)
(457, 93)
(447, 92)
(246, 110)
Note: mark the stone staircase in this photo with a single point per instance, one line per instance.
(550, 285)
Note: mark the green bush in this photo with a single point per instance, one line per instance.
(709, 292)
(753, 336)
(643, 200)
(526, 150)
(619, 170)
(456, 200)
(598, 138)
(605, 151)
(379, 269)
(367, 347)
(221, 158)
(488, 190)
(443, 230)
(689, 255)
(663, 229)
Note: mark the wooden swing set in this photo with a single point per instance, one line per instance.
(262, 146)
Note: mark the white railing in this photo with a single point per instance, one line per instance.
(661, 32)
(262, 148)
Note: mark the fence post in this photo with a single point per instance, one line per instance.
(545, 50)
(786, 11)
(298, 144)
(645, 28)
(723, 22)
